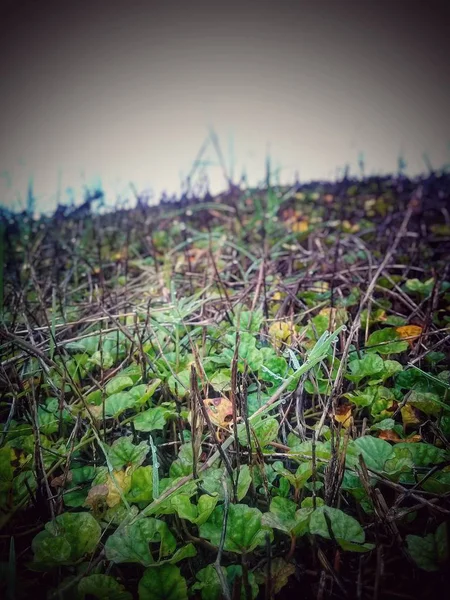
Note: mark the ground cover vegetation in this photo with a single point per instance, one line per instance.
(241, 397)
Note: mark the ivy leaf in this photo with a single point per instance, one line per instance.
(245, 530)
(164, 583)
(280, 333)
(386, 341)
(431, 552)
(123, 453)
(151, 419)
(66, 539)
(131, 544)
(103, 587)
(375, 451)
(117, 384)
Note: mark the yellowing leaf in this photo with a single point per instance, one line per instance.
(220, 411)
(409, 332)
(344, 415)
(280, 332)
(300, 226)
(409, 415)
(350, 227)
(337, 316)
(122, 480)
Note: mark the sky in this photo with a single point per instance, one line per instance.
(126, 91)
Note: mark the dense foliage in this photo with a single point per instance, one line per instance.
(240, 398)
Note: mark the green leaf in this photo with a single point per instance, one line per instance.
(151, 419)
(249, 321)
(284, 516)
(374, 451)
(248, 352)
(424, 454)
(401, 461)
(118, 403)
(124, 453)
(345, 528)
(141, 491)
(431, 552)
(438, 483)
(212, 481)
(386, 341)
(49, 416)
(117, 384)
(390, 368)
(280, 571)
(102, 359)
(300, 477)
(197, 514)
(131, 544)
(180, 385)
(245, 530)
(428, 402)
(103, 587)
(187, 551)
(143, 392)
(244, 482)
(383, 425)
(6, 474)
(209, 584)
(163, 583)
(266, 431)
(183, 464)
(221, 380)
(422, 288)
(66, 539)
(369, 365)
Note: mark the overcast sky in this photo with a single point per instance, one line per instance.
(126, 90)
